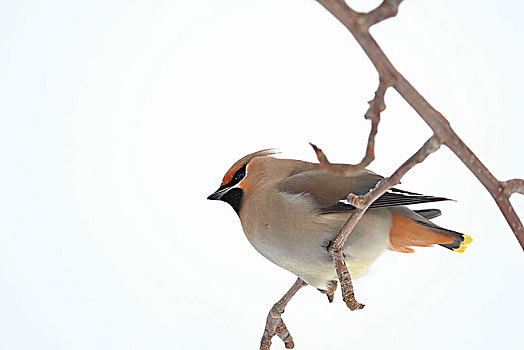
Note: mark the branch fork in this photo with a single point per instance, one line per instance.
(274, 323)
(358, 24)
(362, 203)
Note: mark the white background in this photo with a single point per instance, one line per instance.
(118, 118)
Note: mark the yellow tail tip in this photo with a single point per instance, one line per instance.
(467, 240)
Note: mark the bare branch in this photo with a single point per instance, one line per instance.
(494, 187)
(322, 159)
(275, 324)
(376, 106)
(387, 9)
(362, 203)
(436, 121)
(348, 295)
(513, 186)
(358, 24)
(330, 292)
(284, 334)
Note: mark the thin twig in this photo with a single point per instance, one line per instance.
(387, 9)
(359, 27)
(513, 186)
(275, 324)
(362, 203)
(359, 24)
(330, 291)
(376, 106)
(284, 334)
(322, 159)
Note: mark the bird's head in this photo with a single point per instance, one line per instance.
(237, 180)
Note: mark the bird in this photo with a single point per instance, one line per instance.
(291, 210)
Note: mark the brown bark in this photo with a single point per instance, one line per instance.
(358, 24)
(275, 324)
(330, 292)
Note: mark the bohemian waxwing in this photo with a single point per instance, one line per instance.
(290, 212)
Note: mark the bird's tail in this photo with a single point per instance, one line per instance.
(460, 240)
(407, 232)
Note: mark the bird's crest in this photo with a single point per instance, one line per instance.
(243, 161)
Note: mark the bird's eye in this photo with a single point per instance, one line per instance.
(239, 175)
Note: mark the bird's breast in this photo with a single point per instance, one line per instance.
(287, 230)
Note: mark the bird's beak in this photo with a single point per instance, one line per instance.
(218, 194)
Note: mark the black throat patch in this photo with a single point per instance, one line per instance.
(234, 198)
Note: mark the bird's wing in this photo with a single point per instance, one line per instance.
(330, 191)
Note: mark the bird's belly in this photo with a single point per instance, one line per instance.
(305, 254)
(308, 260)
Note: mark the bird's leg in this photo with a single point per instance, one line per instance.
(344, 277)
(275, 324)
(331, 288)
